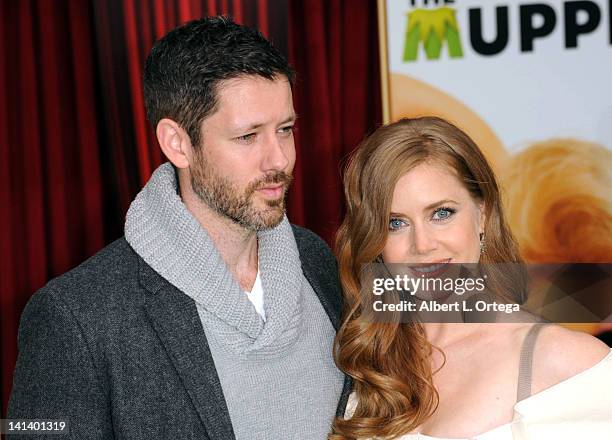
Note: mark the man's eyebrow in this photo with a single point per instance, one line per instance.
(248, 127)
(430, 206)
(291, 118)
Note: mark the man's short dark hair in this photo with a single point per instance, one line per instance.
(184, 68)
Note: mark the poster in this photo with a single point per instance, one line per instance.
(531, 83)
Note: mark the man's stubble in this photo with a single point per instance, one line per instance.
(222, 196)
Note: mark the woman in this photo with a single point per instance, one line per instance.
(420, 191)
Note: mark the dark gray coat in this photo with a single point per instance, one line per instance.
(121, 353)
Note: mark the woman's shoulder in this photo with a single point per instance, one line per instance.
(561, 354)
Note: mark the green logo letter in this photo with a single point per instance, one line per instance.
(432, 27)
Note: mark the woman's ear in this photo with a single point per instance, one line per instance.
(482, 217)
(174, 142)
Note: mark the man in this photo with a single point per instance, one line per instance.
(213, 318)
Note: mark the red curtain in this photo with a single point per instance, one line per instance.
(51, 189)
(333, 46)
(75, 147)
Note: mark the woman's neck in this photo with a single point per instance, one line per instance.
(443, 335)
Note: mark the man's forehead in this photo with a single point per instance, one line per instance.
(237, 79)
(253, 100)
(227, 88)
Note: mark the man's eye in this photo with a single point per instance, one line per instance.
(246, 137)
(286, 130)
(396, 223)
(443, 214)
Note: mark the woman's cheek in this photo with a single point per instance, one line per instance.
(395, 248)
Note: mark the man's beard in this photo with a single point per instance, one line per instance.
(220, 194)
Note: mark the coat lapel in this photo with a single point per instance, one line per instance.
(175, 319)
(322, 277)
(326, 284)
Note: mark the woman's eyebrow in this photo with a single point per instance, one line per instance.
(430, 206)
(441, 202)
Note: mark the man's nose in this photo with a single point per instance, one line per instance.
(275, 157)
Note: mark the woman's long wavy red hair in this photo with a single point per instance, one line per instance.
(390, 362)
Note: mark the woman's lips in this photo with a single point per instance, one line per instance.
(430, 270)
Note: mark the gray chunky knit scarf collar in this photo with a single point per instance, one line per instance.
(168, 238)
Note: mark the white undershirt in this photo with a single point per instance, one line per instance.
(256, 296)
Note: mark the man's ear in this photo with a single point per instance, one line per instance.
(174, 142)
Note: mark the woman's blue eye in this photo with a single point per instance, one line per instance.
(443, 213)
(395, 223)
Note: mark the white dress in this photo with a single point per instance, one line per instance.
(577, 408)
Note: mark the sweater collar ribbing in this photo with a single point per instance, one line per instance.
(165, 234)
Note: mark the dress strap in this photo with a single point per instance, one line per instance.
(523, 389)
